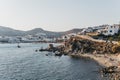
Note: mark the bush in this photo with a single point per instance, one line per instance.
(116, 49)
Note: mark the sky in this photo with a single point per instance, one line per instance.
(58, 15)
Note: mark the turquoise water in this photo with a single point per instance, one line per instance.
(26, 64)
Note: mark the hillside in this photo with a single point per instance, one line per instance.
(6, 31)
(40, 30)
(76, 30)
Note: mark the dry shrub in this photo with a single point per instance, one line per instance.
(116, 49)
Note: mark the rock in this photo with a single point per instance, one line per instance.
(82, 45)
(111, 69)
(88, 45)
(57, 53)
(51, 46)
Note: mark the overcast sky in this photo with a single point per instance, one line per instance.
(58, 15)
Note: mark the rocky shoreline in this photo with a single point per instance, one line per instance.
(106, 53)
(110, 65)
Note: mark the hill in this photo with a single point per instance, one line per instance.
(6, 31)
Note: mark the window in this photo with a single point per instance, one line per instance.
(110, 30)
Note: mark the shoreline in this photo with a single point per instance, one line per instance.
(103, 60)
(106, 54)
(110, 64)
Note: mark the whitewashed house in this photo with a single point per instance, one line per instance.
(100, 27)
(4, 39)
(86, 30)
(13, 40)
(66, 37)
(111, 30)
(41, 35)
(83, 32)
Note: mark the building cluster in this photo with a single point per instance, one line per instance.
(103, 29)
(110, 30)
(40, 37)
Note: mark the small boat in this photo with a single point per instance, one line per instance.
(36, 50)
(18, 46)
(46, 54)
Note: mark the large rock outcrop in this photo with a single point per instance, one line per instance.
(86, 44)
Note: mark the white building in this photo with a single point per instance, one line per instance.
(4, 39)
(86, 30)
(13, 40)
(41, 35)
(100, 27)
(111, 30)
(66, 37)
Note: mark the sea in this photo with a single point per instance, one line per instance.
(26, 64)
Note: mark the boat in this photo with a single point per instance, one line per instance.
(18, 46)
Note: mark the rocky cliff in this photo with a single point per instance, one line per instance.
(85, 44)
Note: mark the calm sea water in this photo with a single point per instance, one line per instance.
(26, 64)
